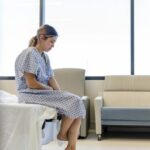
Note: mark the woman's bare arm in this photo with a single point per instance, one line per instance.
(33, 83)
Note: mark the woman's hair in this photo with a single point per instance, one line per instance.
(33, 41)
(46, 30)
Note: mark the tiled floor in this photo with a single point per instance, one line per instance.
(110, 141)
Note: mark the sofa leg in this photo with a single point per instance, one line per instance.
(99, 137)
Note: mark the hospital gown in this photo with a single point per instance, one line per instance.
(32, 61)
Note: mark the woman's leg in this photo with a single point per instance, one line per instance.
(73, 134)
(65, 125)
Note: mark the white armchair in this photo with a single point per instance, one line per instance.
(73, 80)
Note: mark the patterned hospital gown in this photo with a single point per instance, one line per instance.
(31, 61)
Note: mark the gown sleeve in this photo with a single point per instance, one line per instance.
(28, 63)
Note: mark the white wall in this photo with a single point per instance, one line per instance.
(92, 89)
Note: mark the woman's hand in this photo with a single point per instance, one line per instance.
(53, 83)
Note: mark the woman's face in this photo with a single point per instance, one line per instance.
(49, 43)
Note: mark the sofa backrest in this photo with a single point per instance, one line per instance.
(127, 91)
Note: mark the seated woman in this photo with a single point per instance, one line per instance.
(36, 84)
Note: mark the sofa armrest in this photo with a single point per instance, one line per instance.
(98, 103)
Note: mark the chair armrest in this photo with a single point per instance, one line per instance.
(85, 124)
(98, 103)
(85, 98)
(86, 101)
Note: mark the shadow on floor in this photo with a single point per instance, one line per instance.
(126, 133)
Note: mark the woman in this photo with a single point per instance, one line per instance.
(36, 84)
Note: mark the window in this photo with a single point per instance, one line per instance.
(142, 39)
(93, 34)
(19, 21)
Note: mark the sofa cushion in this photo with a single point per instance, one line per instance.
(126, 99)
(125, 114)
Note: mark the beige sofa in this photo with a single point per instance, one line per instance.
(125, 101)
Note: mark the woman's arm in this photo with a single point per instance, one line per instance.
(53, 83)
(33, 83)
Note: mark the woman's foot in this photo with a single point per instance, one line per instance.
(70, 147)
(67, 148)
(61, 140)
(62, 137)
